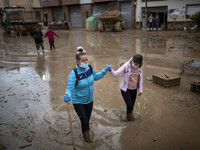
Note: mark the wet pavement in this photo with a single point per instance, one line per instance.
(34, 116)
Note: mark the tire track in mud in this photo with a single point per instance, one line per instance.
(105, 125)
(105, 128)
(58, 127)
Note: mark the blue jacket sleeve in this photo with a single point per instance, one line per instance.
(99, 75)
(71, 83)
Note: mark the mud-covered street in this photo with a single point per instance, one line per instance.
(33, 115)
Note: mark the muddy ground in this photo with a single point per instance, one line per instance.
(33, 115)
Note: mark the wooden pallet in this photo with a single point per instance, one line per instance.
(166, 79)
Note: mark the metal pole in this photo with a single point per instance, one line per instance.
(146, 14)
(164, 21)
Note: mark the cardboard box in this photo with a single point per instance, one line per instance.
(166, 79)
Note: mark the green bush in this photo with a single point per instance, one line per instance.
(196, 19)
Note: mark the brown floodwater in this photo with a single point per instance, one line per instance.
(34, 116)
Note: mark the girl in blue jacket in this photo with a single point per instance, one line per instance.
(80, 89)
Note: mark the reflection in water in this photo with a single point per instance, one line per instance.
(92, 39)
(41, 67)
(153, 46)
(44, 77)
(156, 119)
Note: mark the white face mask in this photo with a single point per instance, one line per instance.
(134, 66)
(83, 65)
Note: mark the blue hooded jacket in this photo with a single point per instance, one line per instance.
(82, 93)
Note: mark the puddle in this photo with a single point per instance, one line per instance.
(34, 116)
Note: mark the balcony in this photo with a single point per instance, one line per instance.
(51, 3)
(95, 1)
(70, 2)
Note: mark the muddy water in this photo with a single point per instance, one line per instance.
(34, 116)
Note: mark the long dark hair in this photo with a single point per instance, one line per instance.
(138, 59)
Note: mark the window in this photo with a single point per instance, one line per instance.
(192, 9)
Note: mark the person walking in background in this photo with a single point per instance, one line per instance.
(150, 19)
(80, 89)
(132, 80)
(157, 21)
(37, 35)
(50, 33)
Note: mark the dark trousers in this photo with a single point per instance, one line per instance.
(51, 44)
(129, 98)
(38, 45)
(84, 112)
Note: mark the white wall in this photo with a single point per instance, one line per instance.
(172, 4)
(85, 1)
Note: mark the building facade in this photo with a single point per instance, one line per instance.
(174, 14)
(77, 11)
(27, 4)
(18, 4)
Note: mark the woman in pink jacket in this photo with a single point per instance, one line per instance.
(132, 80)
(50, 33)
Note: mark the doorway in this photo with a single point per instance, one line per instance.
(160, 11)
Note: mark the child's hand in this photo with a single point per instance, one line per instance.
(139, 94)
(107, 67)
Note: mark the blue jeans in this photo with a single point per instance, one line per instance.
(157, 24)
(150, 24)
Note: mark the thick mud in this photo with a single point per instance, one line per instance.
(34, 116)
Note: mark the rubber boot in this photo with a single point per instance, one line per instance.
(86, 136)
(130, 117)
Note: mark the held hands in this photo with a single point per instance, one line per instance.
(66, 98)
(108, 67)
